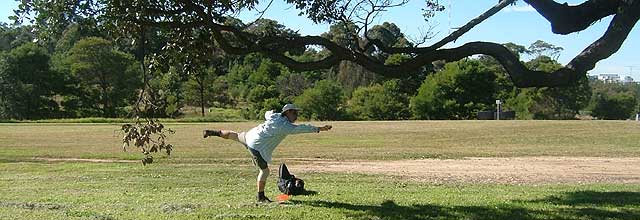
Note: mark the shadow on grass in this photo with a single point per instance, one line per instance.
(309, 193)
(593, 198)
(582, 205)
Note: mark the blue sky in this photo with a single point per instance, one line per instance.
(518, 24)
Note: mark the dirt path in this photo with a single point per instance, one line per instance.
(517, 170)
(520, 170)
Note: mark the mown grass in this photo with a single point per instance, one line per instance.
(213, 178)
(347, 141)
(219, 191)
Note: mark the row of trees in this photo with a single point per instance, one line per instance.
(88, 78)
(463, 88)
(85, 72)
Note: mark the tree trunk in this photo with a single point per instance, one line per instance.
(202, 102)
(104, 85)
(105, 103)
(201, 88)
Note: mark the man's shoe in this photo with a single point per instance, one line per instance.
(208, 133)
(263, 199)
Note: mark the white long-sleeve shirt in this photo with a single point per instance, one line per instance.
(265, 137)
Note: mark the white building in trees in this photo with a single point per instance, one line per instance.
(609, 78)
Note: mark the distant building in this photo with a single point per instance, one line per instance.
(610, 78)
(628, 79)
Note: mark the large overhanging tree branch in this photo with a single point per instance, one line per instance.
(625, 13)
(567, 19)
(182, 17)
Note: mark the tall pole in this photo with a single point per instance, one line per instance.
(498, 102)
(631, 69)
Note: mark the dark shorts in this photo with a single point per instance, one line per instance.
(257, 159)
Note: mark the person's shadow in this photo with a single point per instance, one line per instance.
(523, 210)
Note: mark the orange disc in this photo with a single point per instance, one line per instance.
(282, 197)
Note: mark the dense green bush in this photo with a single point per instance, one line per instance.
(27, 84)
(379, 102)
(457, 92)
(322, 102)
(107, 79)
(615, 106)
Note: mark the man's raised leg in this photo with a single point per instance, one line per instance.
(226, 134)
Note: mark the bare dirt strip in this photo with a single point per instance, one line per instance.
(518, 170)
(490, 170)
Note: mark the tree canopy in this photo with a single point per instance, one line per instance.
(363, 43)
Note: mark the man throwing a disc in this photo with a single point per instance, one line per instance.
(264, 138)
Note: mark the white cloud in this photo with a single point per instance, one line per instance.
(520, 8)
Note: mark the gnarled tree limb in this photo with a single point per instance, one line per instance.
(619, 29)
(567, 19)
(564, 19)
(451, 37)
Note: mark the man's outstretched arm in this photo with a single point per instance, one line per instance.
(306, 128)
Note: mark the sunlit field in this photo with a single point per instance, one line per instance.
(44, 174)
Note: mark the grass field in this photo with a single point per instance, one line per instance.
(213, 178)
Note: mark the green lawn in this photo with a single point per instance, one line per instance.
(213, 179)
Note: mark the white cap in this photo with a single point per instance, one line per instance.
(289, 107)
